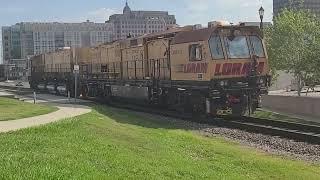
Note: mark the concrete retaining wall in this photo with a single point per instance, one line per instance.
(299, 106)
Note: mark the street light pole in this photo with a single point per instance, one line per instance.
(7, 72)
(261, 13)
(8, 69)
(75, 86)
(75, 71)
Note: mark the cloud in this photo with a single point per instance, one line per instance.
(98, 15)
(202, 11)
(12, 10)
(198, 6)
(102, 14)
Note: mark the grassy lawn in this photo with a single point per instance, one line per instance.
(11, 109)
(115, 144)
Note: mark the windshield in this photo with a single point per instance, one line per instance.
(257, 46)
(216, 47)
(237, 47)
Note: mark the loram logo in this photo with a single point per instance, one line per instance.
(195, 68)
(226, 69)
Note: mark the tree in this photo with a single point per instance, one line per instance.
(293, 43)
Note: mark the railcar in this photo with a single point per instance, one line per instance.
(53, 72)
(221, 69)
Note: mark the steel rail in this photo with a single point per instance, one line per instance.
(294, 131)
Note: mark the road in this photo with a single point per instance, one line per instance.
(5, 94)
(13, 84)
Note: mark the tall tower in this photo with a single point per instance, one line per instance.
(137, 23)
(126, 9)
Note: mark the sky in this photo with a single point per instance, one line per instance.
(186, 11)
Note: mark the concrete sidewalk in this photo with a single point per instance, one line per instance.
(304, 93)
(13, 84)
(66, 110)
(6, 94)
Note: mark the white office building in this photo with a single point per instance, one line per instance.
(136, 23)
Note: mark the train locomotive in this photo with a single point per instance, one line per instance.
(211, 71)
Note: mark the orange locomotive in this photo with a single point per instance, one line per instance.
(205, 71)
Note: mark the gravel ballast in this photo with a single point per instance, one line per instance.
(267, 143)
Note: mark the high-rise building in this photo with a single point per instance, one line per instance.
(1, 52)
(136, 23)
(312, 5)
(6, 44)
(25, 39)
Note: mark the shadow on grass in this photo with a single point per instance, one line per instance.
(146, 120)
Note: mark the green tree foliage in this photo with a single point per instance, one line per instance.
(293, 45)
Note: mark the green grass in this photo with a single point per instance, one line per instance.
(11, 109)
(116, 144)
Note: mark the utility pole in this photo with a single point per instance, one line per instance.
(75, 71)
(7, 71)
(75, 85)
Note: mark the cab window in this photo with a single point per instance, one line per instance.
(195, 52)
(257, 47)
(216, 47)
(237, 47)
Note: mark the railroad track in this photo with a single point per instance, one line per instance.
(294, 131)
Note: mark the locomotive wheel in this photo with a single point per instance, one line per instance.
(239, 110)
(84, 91)
(213, 110)
(197, 105)
(107, 95)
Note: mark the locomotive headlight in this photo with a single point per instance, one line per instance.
(223, 83)
(261, 81)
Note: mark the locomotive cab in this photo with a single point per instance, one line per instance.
(231, 64)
